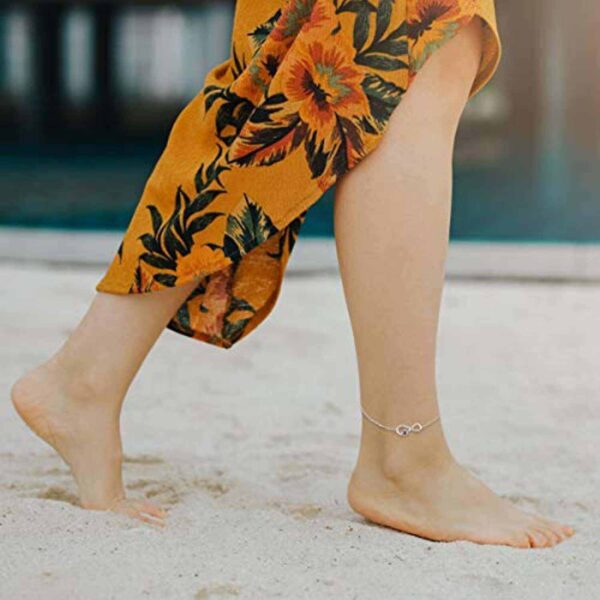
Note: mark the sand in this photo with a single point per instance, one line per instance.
(251, 449)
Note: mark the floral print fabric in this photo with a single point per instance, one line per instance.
(305, 95)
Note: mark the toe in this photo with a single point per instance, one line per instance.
(561, 531)
(519, 540)
(547, 528)
(556, 535)
(551, 538)
(536, 538)
(557, 531)
(140, 510)
(146, 518)
(151, 509)
(567, 530)
(149, 520)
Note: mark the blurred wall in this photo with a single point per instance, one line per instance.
(88, 91)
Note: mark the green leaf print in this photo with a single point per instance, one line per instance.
(156, 219)
(381, 62)
(361, 29)
(261, 33)
(384, 14)
(173, 237)
(383, 97)
(246, 229)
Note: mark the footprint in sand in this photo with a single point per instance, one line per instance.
(164, 493)
(304, 511)
(172, 492)
(214, 487)
(59, 494)
(533, 503)
(143, 459)
(215, 591)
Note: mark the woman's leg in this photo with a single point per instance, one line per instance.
(391, 220)
(74, 400)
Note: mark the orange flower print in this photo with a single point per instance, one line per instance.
(323, 15)
(321, 105)
(326, 84)
(293, 18)
(431, 23)
(299, 15)
(318, 100)
(253, 83)
(215, 302)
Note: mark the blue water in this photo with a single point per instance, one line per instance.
(95, 188)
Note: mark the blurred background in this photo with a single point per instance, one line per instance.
(89, 90)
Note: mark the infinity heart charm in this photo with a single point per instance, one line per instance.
(404, 430)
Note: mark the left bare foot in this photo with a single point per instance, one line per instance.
(84, 430)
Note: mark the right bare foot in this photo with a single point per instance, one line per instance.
(84, 430)
(440, 500)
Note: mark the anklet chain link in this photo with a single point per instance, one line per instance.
(402, 430)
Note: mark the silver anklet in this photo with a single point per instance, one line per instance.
(402, 430)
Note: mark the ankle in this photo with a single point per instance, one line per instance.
(404, 468)
(388, 457)
(79, 380)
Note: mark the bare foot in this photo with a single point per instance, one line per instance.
(445, 502)
(84, 430)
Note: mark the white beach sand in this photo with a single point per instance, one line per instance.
(251, 450)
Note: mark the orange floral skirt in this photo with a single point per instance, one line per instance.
(305, 95)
